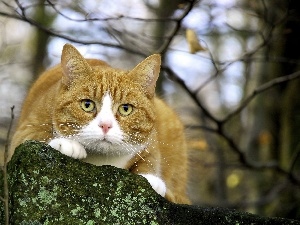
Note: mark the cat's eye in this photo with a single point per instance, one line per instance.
(125, 109)
(87, 105)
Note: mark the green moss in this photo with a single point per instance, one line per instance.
(47, 187)
(50, 188)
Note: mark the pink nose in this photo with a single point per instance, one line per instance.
(105, 126)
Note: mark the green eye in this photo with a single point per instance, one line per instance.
(87, 105)
(125, 109)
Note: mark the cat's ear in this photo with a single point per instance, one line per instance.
(73, 64)
(146, 73)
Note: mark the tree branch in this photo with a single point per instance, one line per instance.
(5, 198)
(220, 123)
(173, 76)
(165, 47)
(259, 90)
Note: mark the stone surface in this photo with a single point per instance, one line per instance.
(47, 187)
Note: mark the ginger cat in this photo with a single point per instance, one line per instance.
(90, 111)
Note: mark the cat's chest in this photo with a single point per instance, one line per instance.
(100, 160)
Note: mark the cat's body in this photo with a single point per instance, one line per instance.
(105, 116)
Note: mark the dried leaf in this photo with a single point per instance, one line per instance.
(193, 42)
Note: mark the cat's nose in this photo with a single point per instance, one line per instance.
(105, 126)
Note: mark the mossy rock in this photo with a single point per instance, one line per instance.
(47, 187)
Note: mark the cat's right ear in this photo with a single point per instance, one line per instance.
(73, 64)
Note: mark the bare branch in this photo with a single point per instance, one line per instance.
(164, 48)
(24, 18)
(294, 159)
(259, 90)
(173, 76)
(5, 198)
(220, 123)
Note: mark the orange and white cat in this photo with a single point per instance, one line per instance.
(105, 116)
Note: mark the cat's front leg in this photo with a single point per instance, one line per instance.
(68, 147)
(157, 183)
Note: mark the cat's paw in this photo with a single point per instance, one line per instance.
(157, 183)
(68, 147)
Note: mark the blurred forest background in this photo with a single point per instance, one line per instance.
(231, 68)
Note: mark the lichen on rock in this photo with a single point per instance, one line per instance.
(50, 188)
(47, 187)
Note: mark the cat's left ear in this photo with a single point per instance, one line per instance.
(146, 73)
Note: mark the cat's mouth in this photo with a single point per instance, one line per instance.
(105, 140)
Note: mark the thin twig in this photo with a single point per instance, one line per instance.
(51, 32)
(173, 76)
(294, 159)
(5, 199)
(259, 90)
(178, 26)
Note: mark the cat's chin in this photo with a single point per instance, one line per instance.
(99, 146)
(105, 147)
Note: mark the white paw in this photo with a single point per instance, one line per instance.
(68, 147)
(157, 184)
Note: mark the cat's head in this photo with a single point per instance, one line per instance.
(108, 110)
